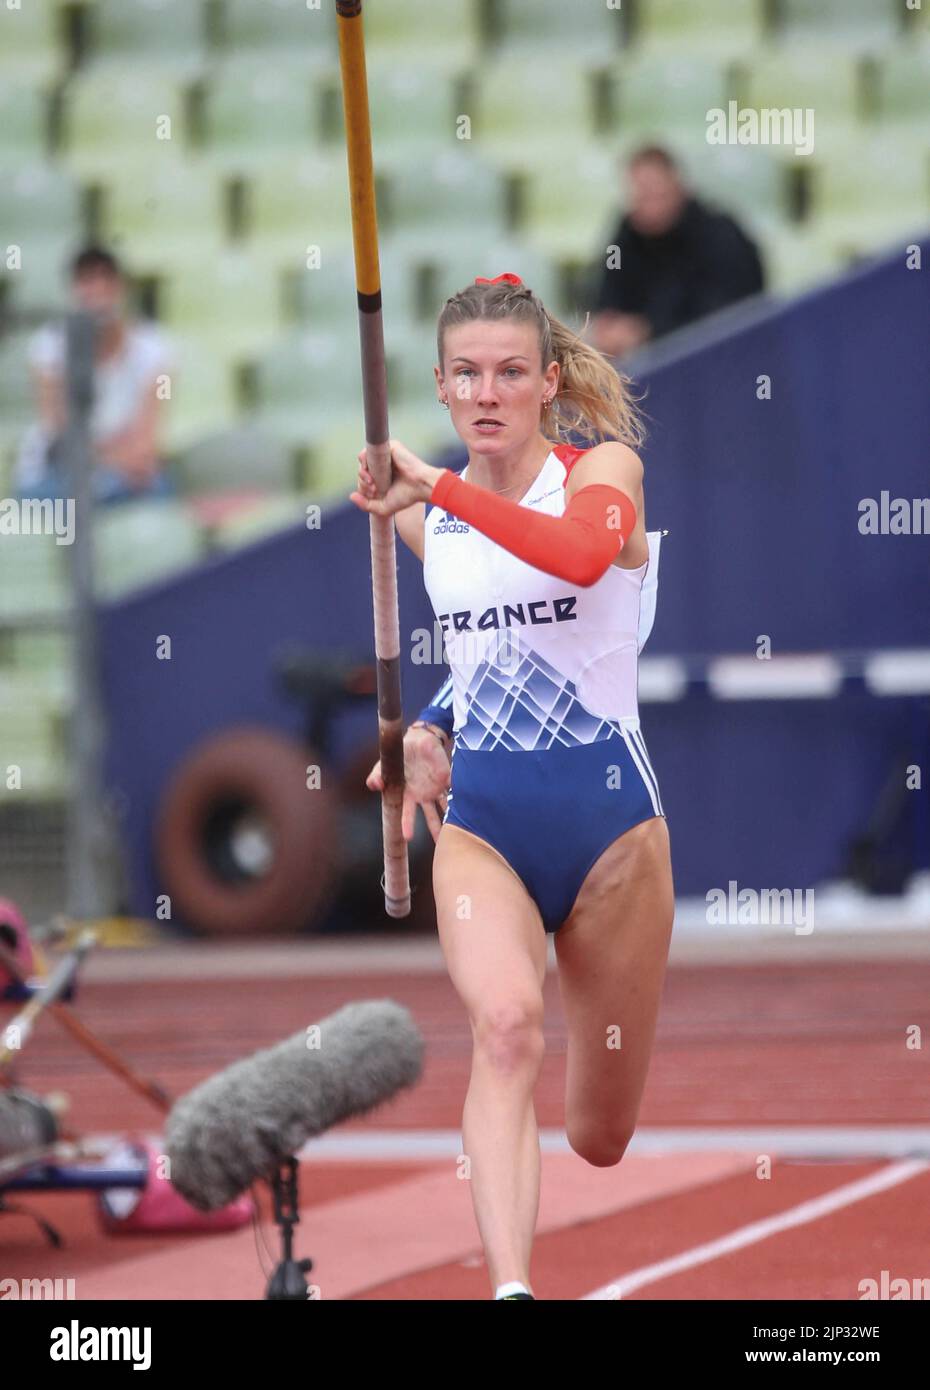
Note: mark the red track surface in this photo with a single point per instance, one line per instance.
(818, 1044)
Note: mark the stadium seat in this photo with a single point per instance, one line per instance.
(228, 300)
(844, 22)
(745, 180)
(326, 297)
(538, 28)
(577, 224)
(175, 212)
(305, 381)
(904, 87)
(139, 542)
(412, 109)
(279, 32)
(422, 31)
(48, 654)
(123, 121)
(525, 120)
(653, 93)
(33, 575)
(295, 204)
(17, 409)
(148, 33)
(799, 258)
(253, 112)
(727, 26)
(32, 42)
(799, 78)
(203, 397)
(451, 195)
(867, 191)
(233, 459)
(24, 120)
(31, 739)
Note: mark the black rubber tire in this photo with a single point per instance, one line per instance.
(263, 771)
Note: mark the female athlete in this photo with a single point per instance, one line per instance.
(548, 820)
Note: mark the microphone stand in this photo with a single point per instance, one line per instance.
(288, 1279)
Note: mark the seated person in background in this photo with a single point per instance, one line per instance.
(131, 355)
(679, 260)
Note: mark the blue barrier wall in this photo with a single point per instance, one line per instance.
(761, 502)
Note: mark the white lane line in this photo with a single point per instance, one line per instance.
(761, 1230)
(812, 1141)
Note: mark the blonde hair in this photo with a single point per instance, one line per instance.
(592, 400)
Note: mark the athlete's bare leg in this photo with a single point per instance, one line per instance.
(612, 953)
(495, 948)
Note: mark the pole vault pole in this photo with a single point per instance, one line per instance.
(374, 385)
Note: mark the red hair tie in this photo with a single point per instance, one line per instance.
(506, 279)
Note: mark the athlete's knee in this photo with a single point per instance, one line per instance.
(509, 1034)
(602, 1148)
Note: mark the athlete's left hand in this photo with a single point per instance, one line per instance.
(412, 481)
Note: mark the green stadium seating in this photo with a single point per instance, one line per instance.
(121, 121)
(148, 33)
(17, 408)
(525, 120)
(253, 112)
(234, 459)
(422, 31)
(326, 297)
(452, 195)
(551, 210)
(294, 204)
(904, 78)
(176, 212)
(229, 300)
(33, 574)
(655, 93)
(854, 22)
(727, 26)
(280, 32)
(31, 42)
(799, 78)
(412, 109)
(868, 191)
(137, 543)
(203, 396)
(540, 27)
(305, 381)
(24, 120)
(48, 654)
(745, 180)
(31, 739)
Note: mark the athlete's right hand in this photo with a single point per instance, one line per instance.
(427, 773)
(412, 481)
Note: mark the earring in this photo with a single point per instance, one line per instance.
(444, 403)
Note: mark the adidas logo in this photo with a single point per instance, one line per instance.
(449, 524)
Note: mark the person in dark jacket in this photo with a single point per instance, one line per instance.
(673, 260)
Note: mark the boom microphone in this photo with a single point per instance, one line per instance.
(239, 1125)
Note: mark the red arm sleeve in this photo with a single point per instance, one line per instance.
(578, 546)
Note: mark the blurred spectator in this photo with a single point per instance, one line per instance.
(679, 259)
(126, 414)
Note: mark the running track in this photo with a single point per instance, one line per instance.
(804, 1061)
